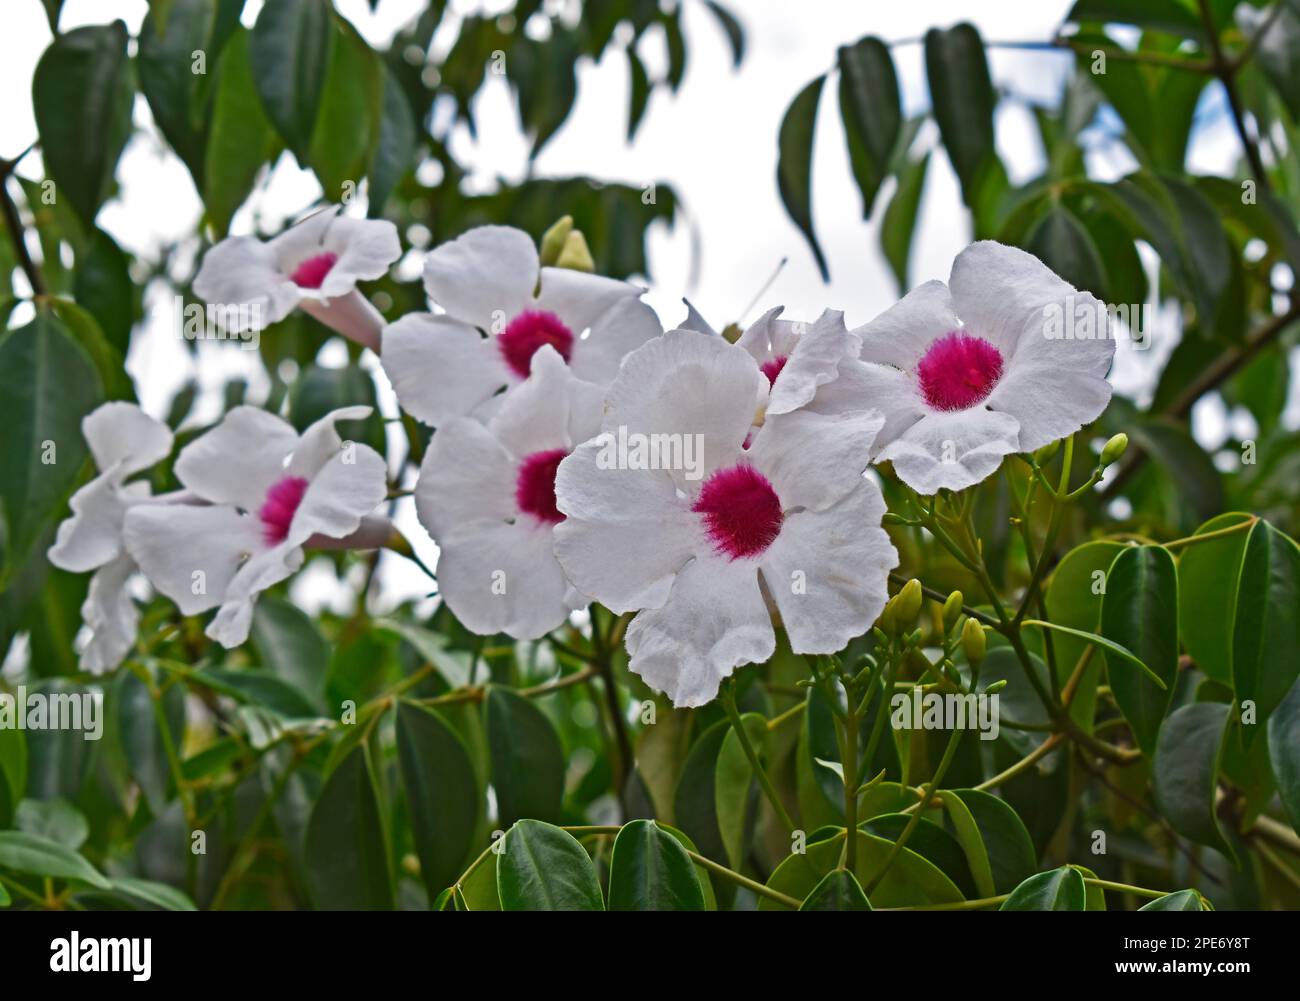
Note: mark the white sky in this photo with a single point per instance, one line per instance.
(714, 142)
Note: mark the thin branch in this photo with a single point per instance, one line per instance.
(14, 224)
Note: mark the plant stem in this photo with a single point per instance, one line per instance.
(1192, 540)
(13, 222)
(851, 769)
(1025, 763)
(1137, 891)
(728, 701)
(745, 881)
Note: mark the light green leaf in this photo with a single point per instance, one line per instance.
(54, 819)
(39, 856)
(1207, 595)
(839, 890)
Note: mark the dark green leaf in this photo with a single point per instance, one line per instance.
(82, 93)
(1266, 630)
(794, 165)
(962, 97)
(397, 146)
(1284, 752)
(735, 33)
(1207, 595)
(838, 891)
(1185, 774)
(650, 871)
(869, 106)
(899, 224)
(1059, 890)
(241, 137)
(527, 759)
(346, 848)
(290, 59)
(544, 869)
(1183, 900)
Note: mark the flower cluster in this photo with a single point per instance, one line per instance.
(714, 490)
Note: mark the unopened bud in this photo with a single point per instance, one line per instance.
(575, 254)
(1113, 449)
(553, 241)
(952, 609)
(909, 603)
(972, 642)
(996, 687)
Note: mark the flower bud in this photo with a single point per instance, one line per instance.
(1113, 449)
(553, 241)
(909, 603)
(575, 254)
(972, 642)
(996, 687)
(952, 609)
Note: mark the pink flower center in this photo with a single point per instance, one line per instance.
(526, 333)
(311, 272)
(741, 511)
(958, 371)
(535, 485)
(278, 509)
(772, 368)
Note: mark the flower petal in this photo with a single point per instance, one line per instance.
(549, 409)
(321, 441)
(92, 535)
(814, 460)
(504, 578)
(884, 388)
(111, 616)
(620, 331)
(266, 569)
(120, 432)
(467, 481)
(813, 361)
(441, 368)
(689, 383)
(350, 485)
(581, 299)
(626, 532)
(366, 249)
(715, 620)
(238, 460)
(191, 553)
(901, 334)
(242, 271)
(827, 571)
(1049, 402)
(955, 449)
(489, 270)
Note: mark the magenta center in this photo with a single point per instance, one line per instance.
(526, 334)
(772, 368)
(278, 509)
(958, 371)
(311, 272)
(535, 485)
(741, 511)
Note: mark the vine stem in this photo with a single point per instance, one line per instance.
(728, 701)
(1192, 540)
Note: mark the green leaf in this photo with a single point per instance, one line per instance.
(146, 750)
(527, 759)
(899, 224)
(39, 856)
(650, 871)
(872, 114)
(1162, 15)
(962, 97)
(1278, 50)
(1140, 612)
(13, 767)
(794, 164)
(1284, 752)
(104, 288)
(1110, 646)
(47, 385)
(694, 803)
(733, 787)
(1074, 597)
(1266, 629)
(1061, 242)
(735, 33)
(290, 58)
(838, 891)
(910, 880)
(1176, 454)
(346, 847)
(432, 647)
(53, 819)
(397, 145)
(972, 843)
(1208, 573)
(545, 869)
(1185, 773)
(1183, 900)
(347, 125)
(1002, 834)
(82, 92)
(241, 138)
(442, 794)
(290, 644)
(159, 895)
(1059, 890)
(260, 689)
(639, 92)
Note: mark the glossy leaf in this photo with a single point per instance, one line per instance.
(290, 58)
(870, 110)
(545, 869)
(527, 759)
(649, 870)
(961, 93)
(794, 165)
(1185, 773)
(838, 891)
(1284, 752)
(32, 854)
(1208, 573)
(346, 847)
(1183, 900)
(1059, 890)
(1266, 630)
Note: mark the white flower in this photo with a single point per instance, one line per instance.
(1006, 358)
(486, 493)
(798, 358)
(789, 521)
(269, 493)
(123, 440)
(501, 307)
(315, 265)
